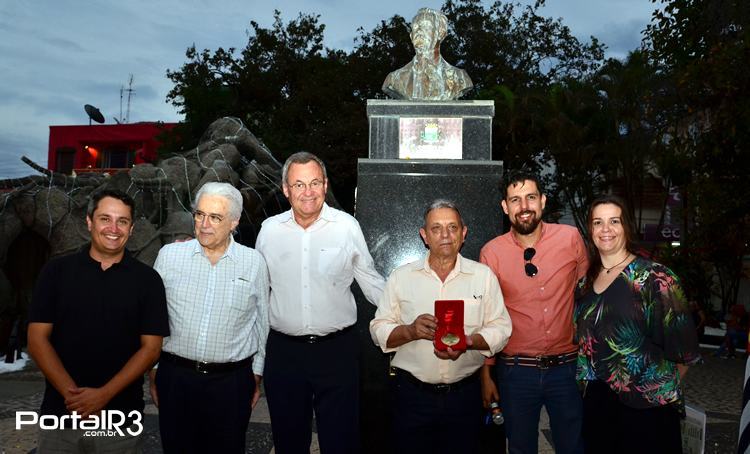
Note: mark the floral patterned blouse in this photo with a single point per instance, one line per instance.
(632, 335)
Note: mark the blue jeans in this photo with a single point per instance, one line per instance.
(523, 391)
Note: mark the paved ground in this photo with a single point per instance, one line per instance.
(715, 386)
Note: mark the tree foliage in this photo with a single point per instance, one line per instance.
(702, 48)
(286, 87)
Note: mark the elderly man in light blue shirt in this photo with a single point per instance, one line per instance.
(212, 363)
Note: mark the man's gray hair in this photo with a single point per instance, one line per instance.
(225, 190)
(301, 157)
(442, 203)
(435, 17)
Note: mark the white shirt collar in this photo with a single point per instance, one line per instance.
(229, 252)
(462, 265)
(326, 213)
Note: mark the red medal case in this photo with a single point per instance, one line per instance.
(450, 325)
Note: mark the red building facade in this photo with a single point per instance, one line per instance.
(98, 148)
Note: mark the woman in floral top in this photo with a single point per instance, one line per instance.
(636, 338)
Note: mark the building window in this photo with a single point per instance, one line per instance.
(65, 160)
(118, 158)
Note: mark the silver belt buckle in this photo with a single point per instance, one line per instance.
(544, 362)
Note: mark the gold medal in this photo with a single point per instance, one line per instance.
(449, 339)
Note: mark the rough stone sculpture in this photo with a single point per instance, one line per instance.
(428, 76)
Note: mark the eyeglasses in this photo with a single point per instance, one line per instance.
(314, 185)
(530, 268)
(213, 219)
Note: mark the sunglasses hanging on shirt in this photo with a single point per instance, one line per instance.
(530, 269)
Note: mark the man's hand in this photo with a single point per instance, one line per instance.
(489, 388)
(256, 393)
(423, 327)
(453, 354)
(449, 354)
(152, 387)
(87, 401)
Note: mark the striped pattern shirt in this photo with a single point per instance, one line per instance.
(217, 313)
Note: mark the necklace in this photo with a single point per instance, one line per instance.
(615, 266)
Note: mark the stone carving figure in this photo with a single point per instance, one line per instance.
(428, 76)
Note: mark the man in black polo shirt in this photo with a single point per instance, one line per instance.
(97, 320)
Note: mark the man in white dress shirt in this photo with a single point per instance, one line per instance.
(314, 252)
(212, 363)
(437, 398)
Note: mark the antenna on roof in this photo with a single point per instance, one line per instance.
(93, 113)
(131, 92)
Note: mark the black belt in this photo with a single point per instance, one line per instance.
(540, 361)
(202, 366)
(313, 338)
(438, 388)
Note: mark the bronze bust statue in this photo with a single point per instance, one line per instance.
(428, 76)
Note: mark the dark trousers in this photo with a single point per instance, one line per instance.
(300, 378)
(201, 413)
(430, 422)
(612, 427)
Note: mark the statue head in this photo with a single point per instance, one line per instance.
(428, 29)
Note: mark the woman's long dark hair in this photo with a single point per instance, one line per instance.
(595, 260)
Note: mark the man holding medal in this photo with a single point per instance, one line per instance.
(437, 400)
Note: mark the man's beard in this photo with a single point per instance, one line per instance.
(524, 228)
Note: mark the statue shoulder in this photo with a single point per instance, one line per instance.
(396, 83)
